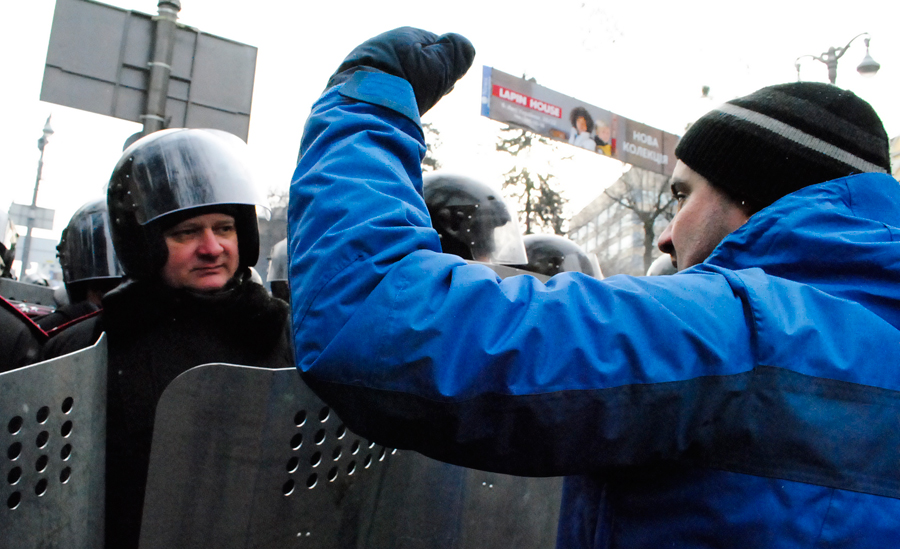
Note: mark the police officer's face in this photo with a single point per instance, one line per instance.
(203, 252)
(705, 216)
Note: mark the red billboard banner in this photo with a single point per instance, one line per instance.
(525, 101)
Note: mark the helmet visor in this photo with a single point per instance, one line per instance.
(582, 263)
(278, 268)
(552, 254)
(88, 248)
(183, 169)
(494, 235)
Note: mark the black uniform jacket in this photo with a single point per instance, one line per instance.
(154, 334)
(20, 338)
(65, 314)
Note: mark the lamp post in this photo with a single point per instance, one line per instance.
(42, 142)
(867, 67)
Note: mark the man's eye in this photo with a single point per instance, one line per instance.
(225, 229)
(182, 234)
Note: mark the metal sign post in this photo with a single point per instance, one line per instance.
(161, 66)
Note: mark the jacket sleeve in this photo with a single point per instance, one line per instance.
(417, 349)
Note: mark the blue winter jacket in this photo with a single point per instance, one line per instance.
(751, 401)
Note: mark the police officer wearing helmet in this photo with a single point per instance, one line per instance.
(89, 264)
(20, 337)
(277, 275)
(662, 266)
(472, 220)
(551, 254)
(183, 209)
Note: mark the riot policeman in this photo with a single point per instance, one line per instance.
(20, 338)
(277, 276)
(472, 220)
(662, 265)
(552, 254)
(183, 212)
(89, 264)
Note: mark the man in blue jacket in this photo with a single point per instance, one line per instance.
(751, 400)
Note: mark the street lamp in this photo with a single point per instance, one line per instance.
(42, 142)
(868, 67)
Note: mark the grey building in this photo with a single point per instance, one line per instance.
(622, 225)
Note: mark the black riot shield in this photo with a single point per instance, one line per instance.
(424, 503)
(54, 438)
(250, 457)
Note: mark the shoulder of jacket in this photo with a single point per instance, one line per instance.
(73, 336)
(26, 321)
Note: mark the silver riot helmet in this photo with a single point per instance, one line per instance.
(277, 276)
(662, 265)
(86, 248)
(473, 220)
(551, 254)
(172, 175)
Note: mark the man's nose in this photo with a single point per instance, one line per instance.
(209, 243)
(665, 241)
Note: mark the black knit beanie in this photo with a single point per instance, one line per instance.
(777, 140)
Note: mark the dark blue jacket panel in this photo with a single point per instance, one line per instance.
(751, 398)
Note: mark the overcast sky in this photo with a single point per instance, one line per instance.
(644, 60)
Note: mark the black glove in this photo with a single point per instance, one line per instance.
(431, 64)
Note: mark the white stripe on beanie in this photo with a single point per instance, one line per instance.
(800, 137)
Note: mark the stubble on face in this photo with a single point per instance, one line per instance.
(705, 216)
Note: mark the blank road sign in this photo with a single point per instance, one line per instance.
(43, 217)
(98, 59)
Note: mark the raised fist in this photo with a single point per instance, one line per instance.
(431, 64)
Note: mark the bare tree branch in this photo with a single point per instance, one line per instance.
(432, 144)
(540, 204)
(632, 191)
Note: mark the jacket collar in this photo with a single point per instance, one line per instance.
(841, 236)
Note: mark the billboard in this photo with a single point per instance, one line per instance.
(525, 104)
(98, 59)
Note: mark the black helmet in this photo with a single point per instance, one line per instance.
(173, 175)
(277, 276)
(86, 249)
(551, 254)
(472, 220)
(662, 265)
